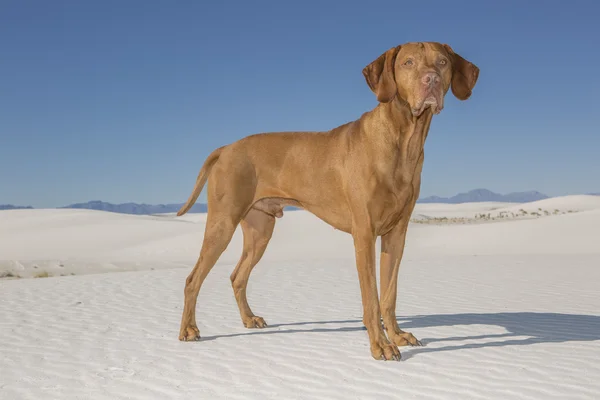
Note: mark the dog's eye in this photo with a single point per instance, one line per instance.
(408, 62)
(443, 61)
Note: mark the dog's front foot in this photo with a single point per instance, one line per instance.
(382, 349)
(402, 338)
(254, 322)
(189, 333)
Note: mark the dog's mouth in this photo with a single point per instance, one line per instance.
(436, 103)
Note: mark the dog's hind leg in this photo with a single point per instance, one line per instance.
(228, 200)
(217, 236)
(257, 227)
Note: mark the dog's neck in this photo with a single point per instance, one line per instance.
(397, 133)
(404, 125)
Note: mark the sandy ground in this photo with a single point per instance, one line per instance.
(505, 309)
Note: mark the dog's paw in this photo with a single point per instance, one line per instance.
(384, 350)
(254, 322)
(405, 339)
(189, 334)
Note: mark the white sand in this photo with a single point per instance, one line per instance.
(506, 310)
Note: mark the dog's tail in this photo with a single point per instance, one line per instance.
(200, 181)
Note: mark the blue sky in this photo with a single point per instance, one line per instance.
(122, 100)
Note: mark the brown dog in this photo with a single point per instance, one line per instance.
(362, 177)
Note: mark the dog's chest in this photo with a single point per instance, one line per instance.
(390, 205)
(394, 198)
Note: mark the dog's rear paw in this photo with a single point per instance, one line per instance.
(254, 322)
(190, 333)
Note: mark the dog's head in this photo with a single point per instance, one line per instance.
(420, 74)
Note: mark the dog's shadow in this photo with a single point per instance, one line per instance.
(522, 328)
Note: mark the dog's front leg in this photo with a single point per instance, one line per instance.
(392, 248)
(381, 348)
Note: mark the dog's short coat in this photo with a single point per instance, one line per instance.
(362, 177)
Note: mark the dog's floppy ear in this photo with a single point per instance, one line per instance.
(380, 75)
(464, 75)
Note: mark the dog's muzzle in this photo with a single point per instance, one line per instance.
(430, 94)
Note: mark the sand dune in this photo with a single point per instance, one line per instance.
(456, 210)
(506, 310)
(569, 203)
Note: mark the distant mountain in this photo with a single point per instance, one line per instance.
(11, 207)
(135, 208)
(478, 195)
